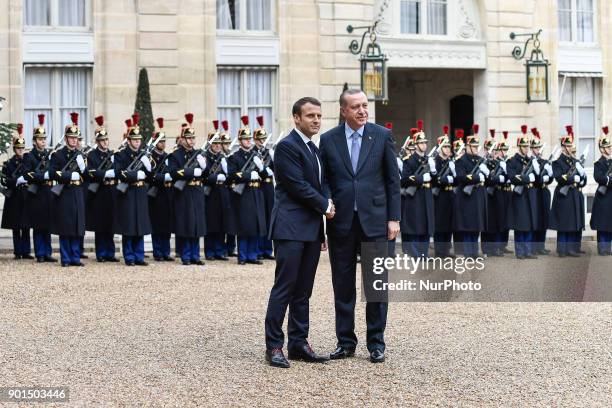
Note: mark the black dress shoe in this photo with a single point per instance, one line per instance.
(341, 352)
(562, 254)
(276, 358)
(241, 262)
(142, 263)
(377, 356)
(543, 252)
(17, 256)
(269, 257)
(520, 257)
(306, 353)
(198, 262)
(112, 259)
(84, 256)
(157, 259)
(255, 262)
(77, 264)
(40, 260)
(573, 254)
(531, 256)
(260, 257)
(186, 263)
(506, 251)
(233, 254)
(100, 260)
(27, 256)
(130, 263)
(50, 259)
(221, 258)
(168, 259)
(65, 264)
(210, 258)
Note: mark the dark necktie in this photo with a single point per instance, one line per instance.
(315, 162)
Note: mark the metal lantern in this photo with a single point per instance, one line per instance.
(536, 68)
(373, 65)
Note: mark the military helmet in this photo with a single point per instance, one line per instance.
(39, 131)
(568, 140)
(100, 131)
(490, 141)
(260, 133)
(503, 144)
(73, 129)
(225, 138)
(160, 135)
(473, 139)
(419, 136)
(604, 140)
(133, 132)
(188, 131)
(215, 133)
(19, 141)
(244, 132)
(523, 140)
(444, 140)
(458, 143)
(536, 141)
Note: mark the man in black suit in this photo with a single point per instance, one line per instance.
(296, 226)
(362, 179)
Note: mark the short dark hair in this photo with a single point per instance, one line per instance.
(351, 91)
(297, 106)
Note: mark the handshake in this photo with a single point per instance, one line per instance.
(331, 210)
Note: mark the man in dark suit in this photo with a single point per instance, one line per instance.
(297, 229)
(362, 179)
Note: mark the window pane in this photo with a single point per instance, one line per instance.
(410, 12)
(584, 5)
(586, 117)
(566, 117)
(228, 14)
(585, 92)
(259, 15)
(585, 26)
(71, 13)
(564, 4)
(37, 12)
(436, 17)
(565, 25)
(73, 93)
(37, 90)
(259, 87)
(228, 87)
(567, 99)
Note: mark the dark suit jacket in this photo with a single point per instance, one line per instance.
(299, 203)
(376, 182)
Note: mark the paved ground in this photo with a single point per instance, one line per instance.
(170, 335)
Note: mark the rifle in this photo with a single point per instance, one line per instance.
(69, 166)
(180, 184)
(495, 173)
(402, 151)
(572, 171)
(248, 167)
(444, 171)
(469, 188)
(423, 168)
(105, 165)
(161, 168)
(136, 164)
(4, 188)
(603, 189)
(44, 164)
(217, 164)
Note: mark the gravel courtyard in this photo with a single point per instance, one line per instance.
(170, 335)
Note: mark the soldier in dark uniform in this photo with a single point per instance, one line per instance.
(266, 173)
(84, 148)
(470, 210)
(218, 207)
(230, 236)
(409, 151)
(67, 167)
(131, 215)
(502, 147)
(39, 197)
(543, 180)
(14, 214)
(601, 215)
(160, 198)
(567, 213)
(418, 172)
(101, 195)
(189, 220)
(458, 146)
(489, 235)
(250, 205)
(443, 196)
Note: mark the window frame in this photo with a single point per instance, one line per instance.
(54, 20)
(423, 21)
(55, 107)
(574, 26)
(242, 22)
(244, 106)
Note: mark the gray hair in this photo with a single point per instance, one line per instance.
(345, 93)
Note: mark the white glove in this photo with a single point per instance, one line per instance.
(141, 175)
(484, 169)
(450, 179)
(220, 178)
(502, 179)
(21, 180)
(426, 178)
(75, 176)
(224, 165)
(258, 163)
(197, 172)
(146, 162)
(46, 175)
(269, 171)
(400, 164)
(548, 169)
(109, 174)
(576, 179)
(201, 161)
(167, 177)
(545, 178)
(580, 169)
(531, 177)
(481, 177)
(80, 162)
(432, 165)
(536, 166)
(451, 166)
(502, 164)
(255, 175)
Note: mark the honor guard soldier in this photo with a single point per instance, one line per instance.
(470, 211)
(543, 180)
(218, 206)
(39, 197)
(523, 169)
(160, 197)
(266, 173)
(187, 167)
(409, 151)
(230, 237)
(131, 216)
(14, 214)
(601, 215)
(67, 167)
(443, 196)
(101, 195)
(84, 148)
(418, 172)
(250, 205)
(567, 212)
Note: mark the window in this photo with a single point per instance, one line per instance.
(246, 92)
(578, 107)
(576, 20)
(56, 92)
(56, 13)
(241, 15)
(413, 22)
